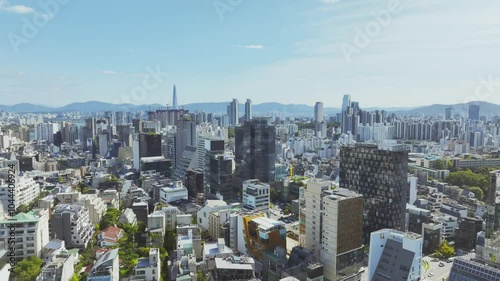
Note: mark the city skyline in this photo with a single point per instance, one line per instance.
(312, 51)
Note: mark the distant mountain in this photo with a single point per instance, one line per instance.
(25, 107)
(263, 108)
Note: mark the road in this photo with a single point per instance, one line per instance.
(435, 271)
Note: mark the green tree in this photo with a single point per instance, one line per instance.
(200, 276)
(28, 269)
(478, 192)
(468, 178)
(445, 250)
(110, 218)
(440, 164)
(288, 209)
(231, 133)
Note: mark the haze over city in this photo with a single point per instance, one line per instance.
(271, 51)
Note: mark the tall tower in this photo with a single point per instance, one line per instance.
(232, 111)
(318, 112)
(255, 151)
(346, 101)
(174, 99)
(248, 110)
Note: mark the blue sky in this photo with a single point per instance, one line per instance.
(281, 51)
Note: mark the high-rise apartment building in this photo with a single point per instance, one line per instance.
(256, 150)
(474, 112)
(233, 112)
(381, 176)
(318, 112)
(248, 110)
(395, 255)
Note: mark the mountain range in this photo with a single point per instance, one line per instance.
(263, 108)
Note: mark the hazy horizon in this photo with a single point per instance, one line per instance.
(399, 53)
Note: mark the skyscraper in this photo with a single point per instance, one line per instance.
(346, 101)
(174, 99)
(474, 112)
(318, 112)
(233, 112)
(256, 150)
(248, 110)
(381, 176)
(448, 113)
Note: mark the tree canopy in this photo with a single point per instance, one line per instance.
(468, 178)
(28, 269)
(445, 250)
(110, 218)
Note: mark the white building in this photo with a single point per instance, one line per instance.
(395, 254)
(128, 217)
(72, 224)
(26, 190)
(148, 269)
(256, 196)
(211, 206)
(31, 232)
(60, 268)
(173, 192)
(313, 197)
(96, 206)
(106, 268)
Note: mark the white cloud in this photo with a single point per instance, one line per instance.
(252, 46)
(16, 9)
(109, 72)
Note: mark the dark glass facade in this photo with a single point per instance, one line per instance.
(381, 176)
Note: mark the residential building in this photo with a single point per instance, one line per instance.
(106, 268)
(233, 112)
(395, 255)
(31, 233)
(256, 196)
(248, 110)
(148, 269)
(26, 190)
(110, 236)
(71, 223)
(211, 206)
(381, 176)
(128, 217)
(60, 268)
(96, 206)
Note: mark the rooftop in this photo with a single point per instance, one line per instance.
(235, 263)
(266, 223)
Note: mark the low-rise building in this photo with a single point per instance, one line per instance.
(211, 251)
(128, 217)
(211, 206)
(148, 269)
(106, 268)
(174, 191)
(234, 268)
(395, 255)
(110, 236)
